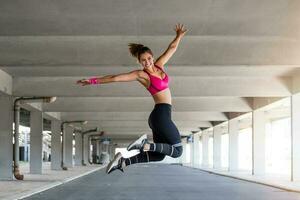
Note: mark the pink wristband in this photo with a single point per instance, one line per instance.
(94, 81)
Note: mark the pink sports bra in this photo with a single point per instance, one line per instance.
(157, 84)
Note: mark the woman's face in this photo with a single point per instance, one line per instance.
(146, 60)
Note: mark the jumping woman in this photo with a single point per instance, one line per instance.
(166, 136)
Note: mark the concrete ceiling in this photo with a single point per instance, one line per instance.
(235, 51)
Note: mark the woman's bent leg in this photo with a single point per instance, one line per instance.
(144, 157)
(166, 149)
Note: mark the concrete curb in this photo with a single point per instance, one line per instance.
(52, 185)
(249, 180)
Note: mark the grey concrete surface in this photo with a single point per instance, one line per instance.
(35, 183)
(234, 52)
(157, 181)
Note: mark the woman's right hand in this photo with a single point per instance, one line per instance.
(83, 82)
(180, 30)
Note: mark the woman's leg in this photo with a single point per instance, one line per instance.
(166, 139)
(172, 143)
(166, 142)
(161, 123)
(146, 156)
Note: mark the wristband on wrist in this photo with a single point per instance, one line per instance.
(94, 81)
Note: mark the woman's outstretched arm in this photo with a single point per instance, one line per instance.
(163, 59)
(130, 76)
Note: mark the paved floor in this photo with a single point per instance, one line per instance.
(282, 181)
(159, 181)
(32, 183)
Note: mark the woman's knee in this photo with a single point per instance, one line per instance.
(178, 152)
(158, 157)
(161, 157)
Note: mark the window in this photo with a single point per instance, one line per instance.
(245, 149)
(278, 146)
(210, 151)
(188, 153)
(200, 151)
(224, 150)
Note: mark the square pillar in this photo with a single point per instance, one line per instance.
(55, 145)
(196, 151)
(68, 146)
(295, 131)
(217, 134)
(86, 149)
(113, 151)
(233, 137)
(258, 145)
(78, 149)
(100, 148)
(191, 152)
(98, 152)
(26, 146)
(205, 138)
(110, 151)
(94, 152)
(36, 142)
(6, 131)
(183, 156)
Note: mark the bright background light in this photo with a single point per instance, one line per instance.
(245, 149)
(211, 151)
(224, 150)
(278, 146)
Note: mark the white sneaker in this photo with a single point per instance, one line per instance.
(116, 163)
(138, 144)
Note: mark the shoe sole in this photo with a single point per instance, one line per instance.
(138, 141)
(109, 166)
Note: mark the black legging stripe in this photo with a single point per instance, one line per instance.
(166, 149)
(166, 137)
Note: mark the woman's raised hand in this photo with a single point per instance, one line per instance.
(83, 82)
(180, 30)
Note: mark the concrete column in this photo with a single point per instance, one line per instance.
(6, 131)
(86, 149)
(107, 148)
(205, 138)
(78, 149)
(196, 151)
(36, 142)
(192, 151)
(55, 145)
(68, 146)
(104, 147)
(258, 143)
(295, 137)
(109, 152)
(200, 151)
(217, 134)
(113, 151)
(100, 148)
(26, 146)
(233, 133)
(95, 149)
(183, 156)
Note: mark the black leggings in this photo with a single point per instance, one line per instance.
(166, 137)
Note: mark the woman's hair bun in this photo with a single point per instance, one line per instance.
(135, 49)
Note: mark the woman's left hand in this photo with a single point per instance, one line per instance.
(83, 82)
(180, 30)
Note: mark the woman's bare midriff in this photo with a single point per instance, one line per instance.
(163, 96)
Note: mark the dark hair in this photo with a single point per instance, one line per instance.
(137, 49)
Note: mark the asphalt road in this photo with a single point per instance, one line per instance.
(160, 181)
